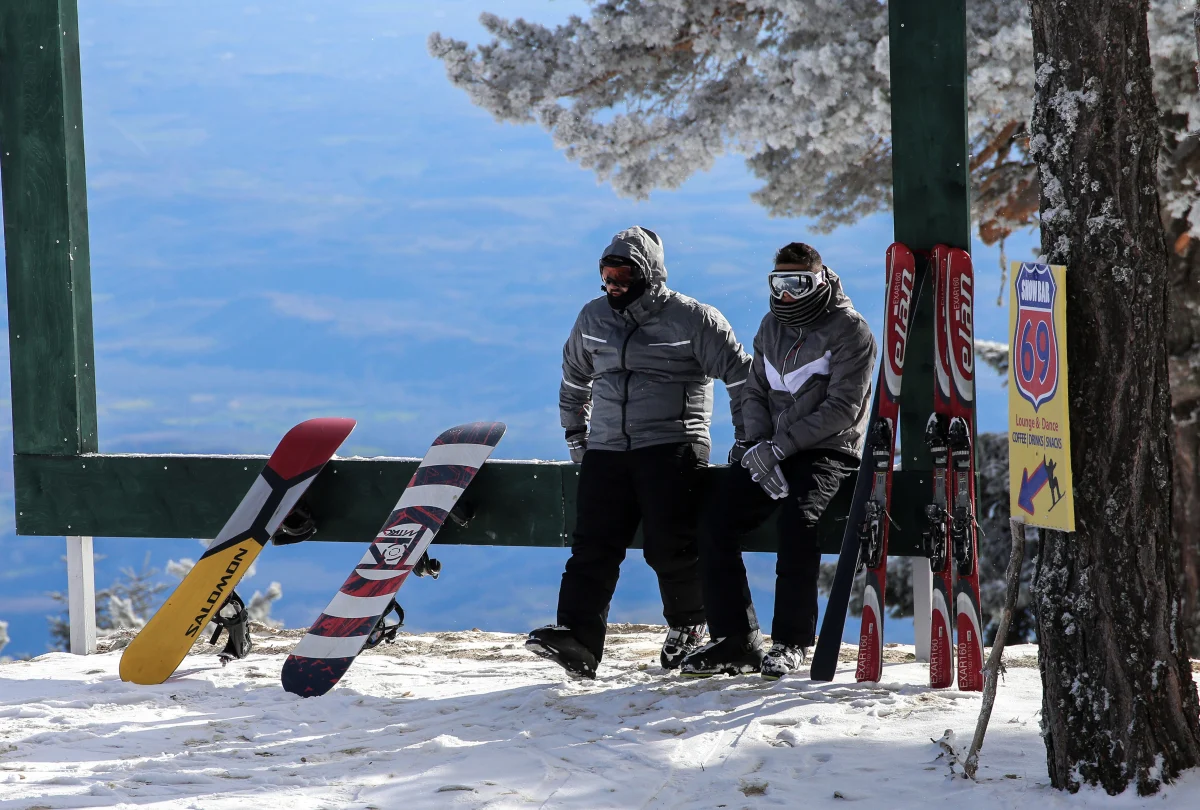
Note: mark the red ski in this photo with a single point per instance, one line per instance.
(960, 339)
(901, 278)
(937, 512)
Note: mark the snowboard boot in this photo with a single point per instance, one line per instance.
(783, 659)
(559, 645)
(733, 655)
(234, 619)
(679, 642)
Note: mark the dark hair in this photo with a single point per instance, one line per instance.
(799, 253)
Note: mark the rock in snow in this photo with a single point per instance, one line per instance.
(469, 719)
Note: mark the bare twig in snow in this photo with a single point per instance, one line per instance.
(993, 666)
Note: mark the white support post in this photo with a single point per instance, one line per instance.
(922, 577)
(81, 595)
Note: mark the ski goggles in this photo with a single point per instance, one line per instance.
(796, 283)
(621, 275)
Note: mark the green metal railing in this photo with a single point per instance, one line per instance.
(63, 486)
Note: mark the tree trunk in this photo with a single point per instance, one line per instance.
(1179, 174)
(1119, 704)
(1184, 347)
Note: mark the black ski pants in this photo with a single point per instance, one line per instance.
(658, 487)
(737, 506)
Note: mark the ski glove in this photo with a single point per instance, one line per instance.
(577, 443)
(775, 484)
(762, 462)
(738, 451)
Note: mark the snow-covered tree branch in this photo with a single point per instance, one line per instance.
(647, 93)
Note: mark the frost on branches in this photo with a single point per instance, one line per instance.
(647, 93)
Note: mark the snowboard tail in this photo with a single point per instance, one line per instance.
(165, 640)
(339, 634)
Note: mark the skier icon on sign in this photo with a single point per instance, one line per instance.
(1035, 368)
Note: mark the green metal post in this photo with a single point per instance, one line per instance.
(930, 174)
(52, 361)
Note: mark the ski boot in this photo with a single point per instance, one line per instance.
(559, 645)
(783, 659)
(733, 655)
(679, 642)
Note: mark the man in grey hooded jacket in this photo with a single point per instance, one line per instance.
(636, 403)
(806, 404)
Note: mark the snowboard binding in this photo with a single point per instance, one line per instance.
(427, 567)
(234, 619)
(297, 527)
(461, 514)
(385, 630)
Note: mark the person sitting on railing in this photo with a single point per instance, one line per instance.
(806, 404)
(636, 402)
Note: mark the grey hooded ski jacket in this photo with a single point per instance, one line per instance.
(810, 388)
(644, 376)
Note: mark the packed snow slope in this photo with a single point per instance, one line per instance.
(469, 719)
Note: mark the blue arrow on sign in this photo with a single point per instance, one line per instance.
(1031, 485)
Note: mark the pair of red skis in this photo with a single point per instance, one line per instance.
(950, 534)
(340, 633)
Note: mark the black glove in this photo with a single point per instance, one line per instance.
(577, 443)
(738, 450)
(762, 461)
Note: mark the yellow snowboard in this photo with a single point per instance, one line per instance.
(161, 645)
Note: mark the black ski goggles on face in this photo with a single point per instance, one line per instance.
(796, 283)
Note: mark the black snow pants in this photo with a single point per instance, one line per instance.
(737, 506)
(658, 487)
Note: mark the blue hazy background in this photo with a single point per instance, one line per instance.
(294, 214)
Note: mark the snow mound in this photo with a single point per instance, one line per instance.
(469, 719)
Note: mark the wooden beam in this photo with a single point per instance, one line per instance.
(514, 503)
(52, 363)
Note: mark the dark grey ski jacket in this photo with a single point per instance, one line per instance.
(811, 388)
(644, 376)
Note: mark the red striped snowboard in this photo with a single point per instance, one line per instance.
(322, 657)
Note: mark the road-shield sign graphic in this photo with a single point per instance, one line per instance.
(1035, 343)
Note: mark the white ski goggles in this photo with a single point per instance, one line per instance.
(796, 283)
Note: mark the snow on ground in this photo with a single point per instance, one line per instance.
(469, 719)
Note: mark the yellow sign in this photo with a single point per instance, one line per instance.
(1039, 429)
